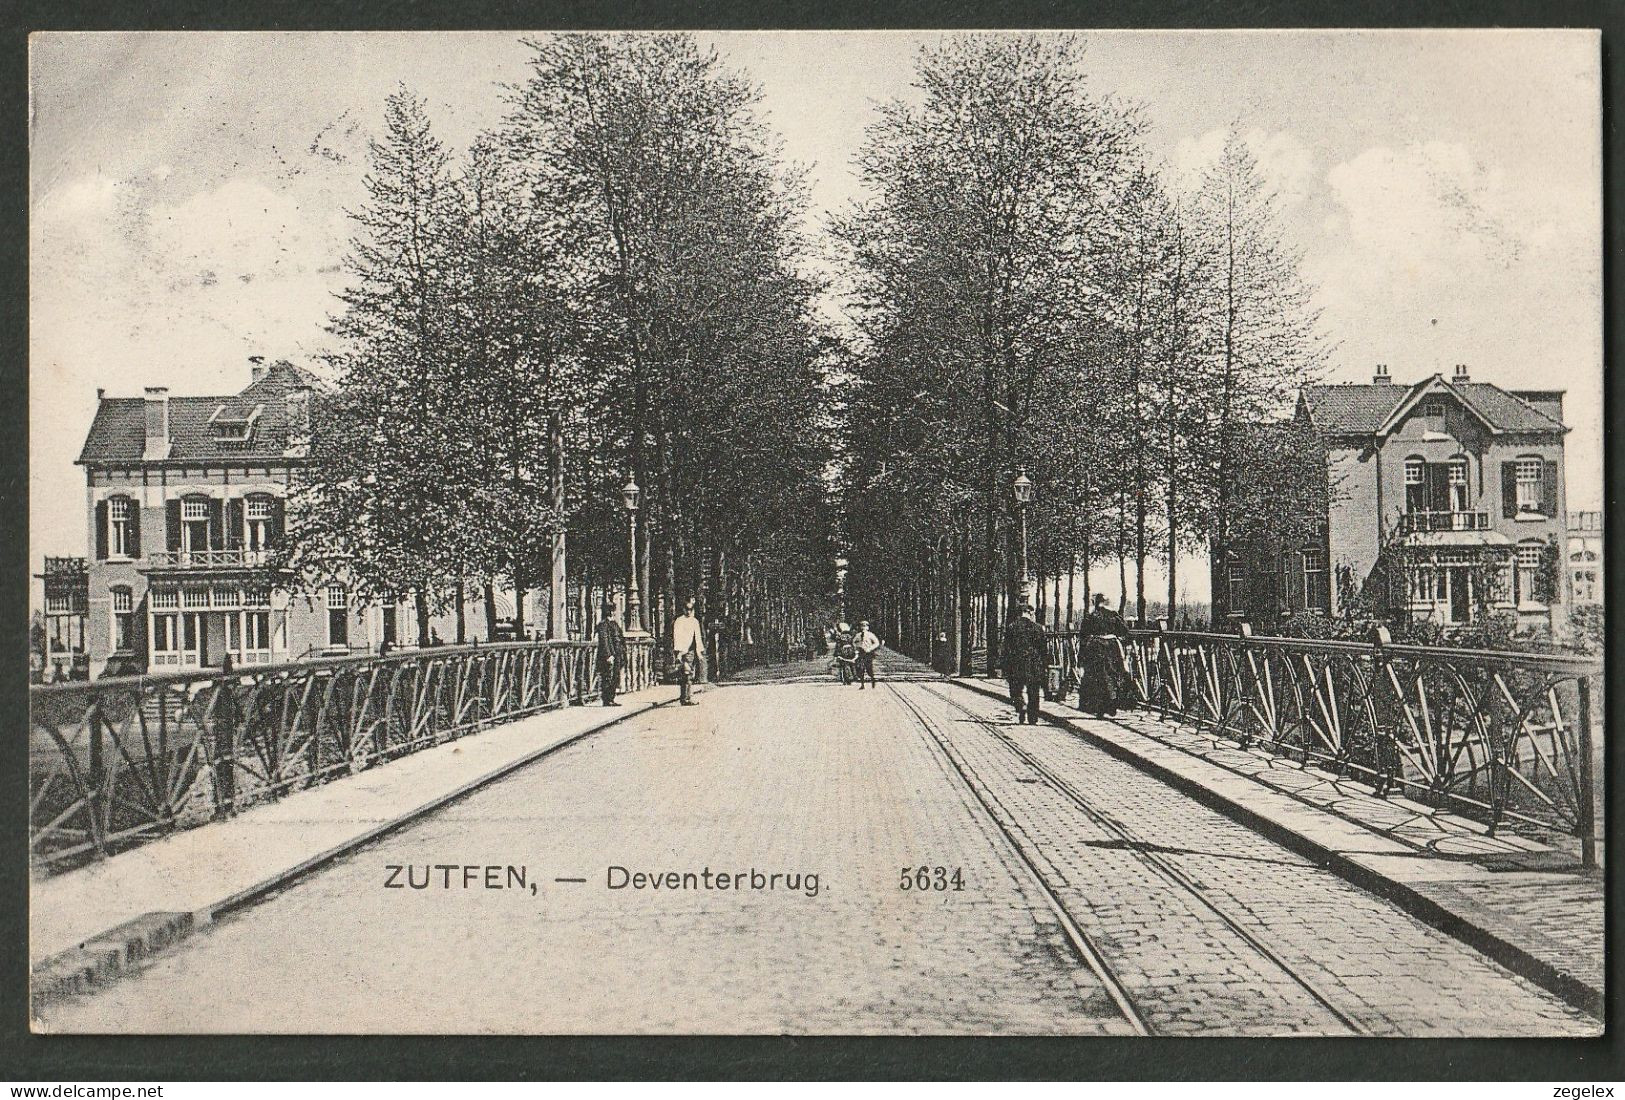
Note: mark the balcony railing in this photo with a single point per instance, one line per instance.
(1508, 738)
(1422, 522)
(207, 559)
(115, 763)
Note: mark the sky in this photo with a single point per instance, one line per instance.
(188, 193)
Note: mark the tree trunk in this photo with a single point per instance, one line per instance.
(1122, 551)
(519, 581)
(1071, 592)
(1139, 554)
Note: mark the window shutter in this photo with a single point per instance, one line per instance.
(234, 523)
(135, 528)
(217, 525)
(1509, 489)
(138, 631)
(278, 519)
(1548, 490)
(172, 524)
(101, 530)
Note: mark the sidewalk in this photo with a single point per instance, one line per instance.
(1525, 903)
(88, 924)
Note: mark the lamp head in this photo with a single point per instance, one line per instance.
(1023, 488)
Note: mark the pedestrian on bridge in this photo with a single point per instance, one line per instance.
(1100, 681)
(868, 644)
(687, 647)
(1026, 663)
(846, 652)
(611, 653)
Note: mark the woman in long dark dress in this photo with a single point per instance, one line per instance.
(1100, 683)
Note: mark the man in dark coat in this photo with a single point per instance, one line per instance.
(1026, 663)
(1100, 683)
(611, 653)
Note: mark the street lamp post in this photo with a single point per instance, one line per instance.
(1023, 490)
(634, 611)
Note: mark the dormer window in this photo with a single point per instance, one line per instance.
(234, 427)
(1432, 415)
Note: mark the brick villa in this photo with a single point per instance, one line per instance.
(1465, 479)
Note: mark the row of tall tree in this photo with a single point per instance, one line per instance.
(1034, 294)
(606, 287)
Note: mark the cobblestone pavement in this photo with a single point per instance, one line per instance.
(799, 777)
(1532, 891)
(1190, 971)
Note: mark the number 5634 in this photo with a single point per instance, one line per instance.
(931, 878)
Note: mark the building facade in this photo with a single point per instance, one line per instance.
(1445, 501)
(1585, 557)
(63, 646)
(184, 499)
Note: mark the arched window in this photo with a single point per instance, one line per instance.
(1416, 486)
(123, 618)
(1316, 590)
(1529, 555)
(1236, 579)
(195, 516)
(257, 511)
(1458, 484)
(338, 622)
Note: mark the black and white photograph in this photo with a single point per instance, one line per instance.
(816, 533)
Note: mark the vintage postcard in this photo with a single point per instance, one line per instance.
(858, 533)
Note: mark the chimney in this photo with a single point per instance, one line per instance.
(157, 423)
(100, 393)
(297, 403)
(256, 368)
(1381, 378)
(1461, 373)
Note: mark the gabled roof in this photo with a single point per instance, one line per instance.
(1425, 388)
(1508, 411)
(1349, 409)
(118, 435)
(1376, 408)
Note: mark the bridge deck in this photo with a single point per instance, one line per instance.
(1095, 898)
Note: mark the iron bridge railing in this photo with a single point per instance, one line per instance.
(115, 763)
(1507, 738)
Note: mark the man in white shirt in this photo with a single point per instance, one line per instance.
(867, 644)
(687, 647)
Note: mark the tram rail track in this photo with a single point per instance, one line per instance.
(1082, 944)
(1088, 950)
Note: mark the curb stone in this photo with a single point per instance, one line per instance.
(105, 957)
(1570, 988)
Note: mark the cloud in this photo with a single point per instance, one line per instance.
(1432, 255)
(141, 281)
(240, 228)
(1425, 208)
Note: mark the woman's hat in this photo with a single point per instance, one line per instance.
(607, 605)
